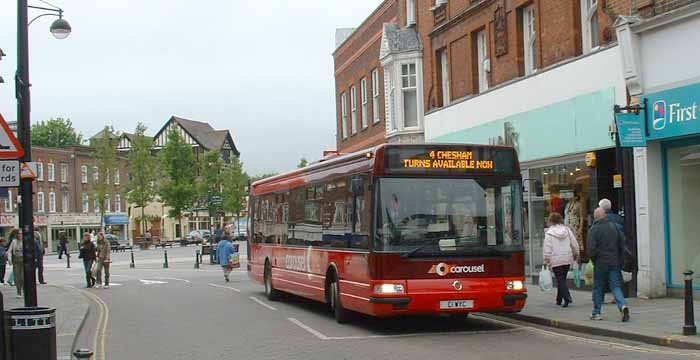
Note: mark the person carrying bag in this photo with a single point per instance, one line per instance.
(561, 251)
(103, 261)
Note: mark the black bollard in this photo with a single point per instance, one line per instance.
(689, 327)
(68, 261)
(83, 354)
(32, 333)
(132, 265)
(196, 259)
(165, 264)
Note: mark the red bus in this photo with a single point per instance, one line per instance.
(396, 229)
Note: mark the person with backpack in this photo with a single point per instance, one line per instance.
(560, 251)
(605, 249)
(16, 253)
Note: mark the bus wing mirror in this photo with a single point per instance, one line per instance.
(357, 186)
(539, 189)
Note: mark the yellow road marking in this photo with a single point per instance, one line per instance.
(101, 326)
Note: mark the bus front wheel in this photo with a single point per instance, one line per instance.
(271, 293)
(339, 312)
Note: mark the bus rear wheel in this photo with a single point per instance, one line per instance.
(271, 293)
(340, 314)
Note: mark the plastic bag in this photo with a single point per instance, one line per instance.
(577, 275)
(626, 276)
(546, 283)
(588, 274)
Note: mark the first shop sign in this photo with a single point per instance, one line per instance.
(674, 112)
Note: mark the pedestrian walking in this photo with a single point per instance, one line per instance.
(63, 244)
(16, 253)
(560, 251)
(88, 254)
(39, 251)
(103, 261)
(3, 259)
(224, 251)
(618, 220)
(605, 249)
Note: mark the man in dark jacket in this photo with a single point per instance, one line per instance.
(605, 246)
(40, 251)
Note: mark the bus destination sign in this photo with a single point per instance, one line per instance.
(450, 159)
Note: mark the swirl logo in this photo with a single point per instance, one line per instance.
(659, 119)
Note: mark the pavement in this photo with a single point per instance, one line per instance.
(653, 321)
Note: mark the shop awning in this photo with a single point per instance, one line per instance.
(116, 219)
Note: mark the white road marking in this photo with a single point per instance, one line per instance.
(225, 287)
(152, 282)
(172, 278)
(311, 330)
(263, 303)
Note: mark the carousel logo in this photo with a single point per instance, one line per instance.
(443, 269)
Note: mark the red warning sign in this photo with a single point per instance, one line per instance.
(10, 148)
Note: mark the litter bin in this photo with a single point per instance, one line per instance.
(32, 333)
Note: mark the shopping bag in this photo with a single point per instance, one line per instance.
(626, 276)
(577, 275)
(546, 283)
(234, 260)
(588, 274)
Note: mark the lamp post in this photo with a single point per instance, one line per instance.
(60, 30)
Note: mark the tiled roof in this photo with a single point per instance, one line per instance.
(396, 39)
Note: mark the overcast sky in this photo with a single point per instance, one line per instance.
(262, 69)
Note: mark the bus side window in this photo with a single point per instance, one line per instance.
(360, 214)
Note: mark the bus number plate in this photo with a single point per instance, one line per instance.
(457, 304)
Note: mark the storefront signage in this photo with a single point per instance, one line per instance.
(630, 129)
(73, 219)
(674, 112)
(116, 219)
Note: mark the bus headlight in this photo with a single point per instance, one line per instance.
(389, 289)
(514, 285)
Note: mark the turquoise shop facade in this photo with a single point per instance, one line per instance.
(560, 122)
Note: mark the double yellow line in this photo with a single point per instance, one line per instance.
(100, 335)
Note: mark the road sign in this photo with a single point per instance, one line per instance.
(10, 147)
(28, 170)
(9, 173)
(215, 200)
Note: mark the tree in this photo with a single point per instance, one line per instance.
(235, 181)
(105, 160)
(178, 188)
(302, 163)
(211, 182)
(262, 176)
(55, 133)
(141, 189)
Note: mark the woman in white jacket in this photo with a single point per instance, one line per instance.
(560, 251)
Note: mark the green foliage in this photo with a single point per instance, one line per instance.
(211, 181)
(141, 189)
(178, 188)
(261, 176)
(105, 149)
(235, 181)
(55, 133)
(302, 163)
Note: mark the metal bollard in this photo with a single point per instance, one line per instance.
(689, 327)
(196, 259)
(68, 261)
(165, 264)
(132, 265)
(83, 354)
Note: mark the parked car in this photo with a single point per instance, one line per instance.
(112, 239)
(198, 236)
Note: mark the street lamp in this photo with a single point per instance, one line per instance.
(60, 30)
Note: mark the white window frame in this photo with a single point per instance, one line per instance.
(482, 51)
(40, 202)
(589, 30)
(52, 202)
(84, 174)
(8, 201)
(108, 203)
(40, 171)
(353, 110)
(445, 76)
(64, 173)
(52, 171)
(97, 205)
(96, 173)
(410, 12)
(86, 203)
(391, 109)
(411, 87)
(65, 202)
(344, 115)
(375, 95)
(529, 39)
(363, 99)
(117, 203)
(107, 176)
(117, 180)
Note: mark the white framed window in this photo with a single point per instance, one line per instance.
(589, 24)
(65, 207)
(410, 12)
(51, 169)
(375, 95)
(96, 205)
(391, 100)
(117, 203)
(52, 202)
(409, 93)
(8, 201)
(95, 173)
(117, 180)
(84, 174)
(529, 39)
(445, 77)
(40, 202)
(353, 109)
(108, 203)
(64, 172)
(40, 171)
(86, 203)
(107, 176)
(344, 115)
(482, 59)
(363, 99)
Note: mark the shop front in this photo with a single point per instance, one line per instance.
(9, 221)
(73, 226)
(117, 224)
